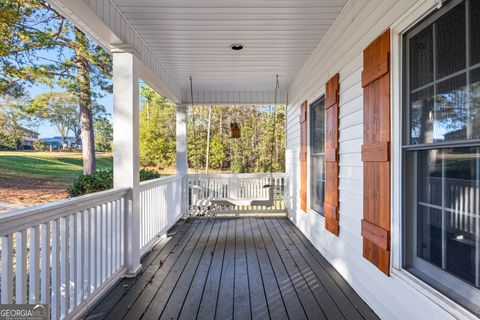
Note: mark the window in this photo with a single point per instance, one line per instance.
(317, 149)
(442, 151)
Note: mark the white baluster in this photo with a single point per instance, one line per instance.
(34, 279)
(64, 266)
(73, 247)
(45, 264)
(7, 269)
(55, 310)
(21, 267)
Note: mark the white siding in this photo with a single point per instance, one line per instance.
(341, 51)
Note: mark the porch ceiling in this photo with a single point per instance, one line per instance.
(193, 37)
(179, 38)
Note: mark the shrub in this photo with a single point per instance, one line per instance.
(100, 181)
(148, 175)
(6, 148)
(39, 145)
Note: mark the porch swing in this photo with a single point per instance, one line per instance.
(237, 201)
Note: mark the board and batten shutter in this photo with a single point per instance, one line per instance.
(331, 155)
(376, 152)
(303, 156)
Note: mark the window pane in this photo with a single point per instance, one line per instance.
(429, 170)
(461, 192)
(318, 128)
(317, 145)
(317, 186)
(421, 61)
(450, 115)
(429, 237)
(448, 188)
(450, 39)
(475, 31)
(421, 116)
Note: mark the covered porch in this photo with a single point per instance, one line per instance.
(337, 229)
(111, 255)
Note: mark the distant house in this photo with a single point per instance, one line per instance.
(57, 143)
(29, 137)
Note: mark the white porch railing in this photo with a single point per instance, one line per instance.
(65, 253)
(204, 187)
(68, 253)
(161, 205)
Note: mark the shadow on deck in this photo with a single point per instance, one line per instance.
(242, 268)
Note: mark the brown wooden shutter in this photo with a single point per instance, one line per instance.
(303, 156)
(331, 155)
(376, 152)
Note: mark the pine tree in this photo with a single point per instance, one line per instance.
(38, 45)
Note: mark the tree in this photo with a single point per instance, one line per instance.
(13, 117)
(252, 152)
(33, 33)
(103, 135)
(157, 129)
(60, 109)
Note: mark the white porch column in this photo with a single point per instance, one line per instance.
(126, 150)
(181, 162)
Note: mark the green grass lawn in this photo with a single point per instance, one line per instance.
(63, 167)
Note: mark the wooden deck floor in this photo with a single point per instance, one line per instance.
(241, 268)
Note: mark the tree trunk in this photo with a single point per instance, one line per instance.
(85, 102)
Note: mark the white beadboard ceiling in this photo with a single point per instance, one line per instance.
(193, 37)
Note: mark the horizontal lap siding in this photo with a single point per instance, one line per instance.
(292, 163)
(341, 51)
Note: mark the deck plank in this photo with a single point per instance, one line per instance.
(290, 298)
(258, 302)
(116, 302)
(186, 262)
(225, 294)
(330, 309)
(307, 299)
(225, 268)
(136, 309)
(351, 305)
(241, 299)
(209, 296)
(183, 286)
(275, 303)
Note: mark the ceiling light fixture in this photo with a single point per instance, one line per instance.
(236, 46)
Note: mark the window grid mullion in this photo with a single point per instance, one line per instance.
(444, 218)
(477, 220)
(434, 44)
(467, 64)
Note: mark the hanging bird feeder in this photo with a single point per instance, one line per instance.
(234, 130)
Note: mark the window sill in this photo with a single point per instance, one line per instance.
(450, 306)
(311, 211)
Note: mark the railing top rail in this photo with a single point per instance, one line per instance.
(24, 218)
(239, 175)
(144, 185)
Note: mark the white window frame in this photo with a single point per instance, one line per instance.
(317, 95)
(409, 19)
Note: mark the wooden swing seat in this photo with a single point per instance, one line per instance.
(263, 202)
